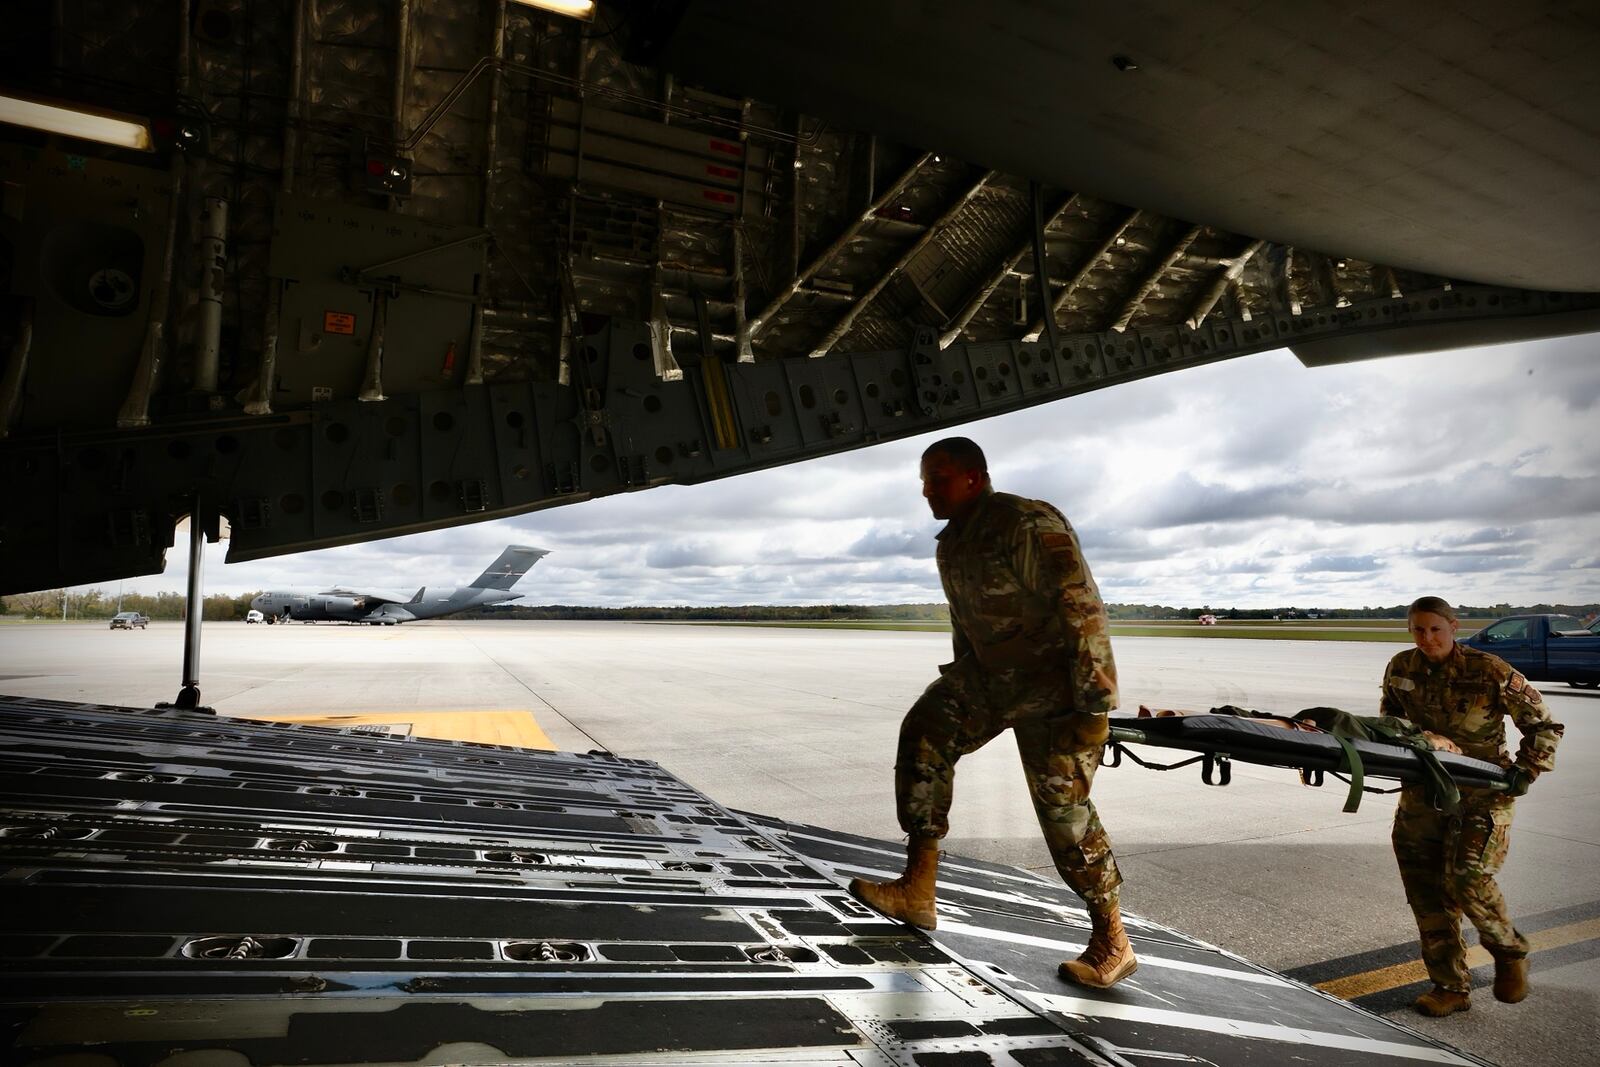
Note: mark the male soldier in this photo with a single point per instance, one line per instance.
(1031, 654)
(1447, 863)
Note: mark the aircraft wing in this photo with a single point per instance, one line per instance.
(371, 598)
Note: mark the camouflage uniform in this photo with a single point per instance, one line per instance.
(1448, 863)
(1032, 654)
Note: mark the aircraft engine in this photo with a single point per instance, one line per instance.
(338, 605)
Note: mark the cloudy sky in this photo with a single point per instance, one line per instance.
(1473, 474)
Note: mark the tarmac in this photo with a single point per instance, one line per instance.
(801, 724)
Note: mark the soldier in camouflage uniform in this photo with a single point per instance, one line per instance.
(1448, 862)
(1032, 654)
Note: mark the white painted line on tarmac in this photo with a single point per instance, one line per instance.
(1100, 1009)
(1075, 947)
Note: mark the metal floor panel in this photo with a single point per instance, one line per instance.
(177, 888)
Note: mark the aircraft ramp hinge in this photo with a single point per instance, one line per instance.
(929, 383)
(834, 426)
(366, 505)
(474, 494)
(252, 513)
(128, 526)
(562, 477)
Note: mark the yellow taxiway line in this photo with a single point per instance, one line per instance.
(489, 727)
(1402, 974)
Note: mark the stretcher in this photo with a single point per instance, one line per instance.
(1221, 740)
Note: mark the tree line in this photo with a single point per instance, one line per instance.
(1391, 611)
(98, 604)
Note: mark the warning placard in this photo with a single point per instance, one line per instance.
(338, 322)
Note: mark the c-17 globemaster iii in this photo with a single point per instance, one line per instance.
(493, 586)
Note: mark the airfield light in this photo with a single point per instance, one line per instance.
(73, 122)
(577, 9)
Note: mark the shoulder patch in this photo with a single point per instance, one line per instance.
(1402, 683)
(1516, 683)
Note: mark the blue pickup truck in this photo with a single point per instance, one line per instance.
(1545, 648)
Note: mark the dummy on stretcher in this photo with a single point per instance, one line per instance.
(1315, 742)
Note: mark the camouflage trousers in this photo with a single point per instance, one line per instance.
(964, 710)
(1447, 864)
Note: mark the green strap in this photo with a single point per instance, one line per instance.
(1442, 788)
(1352, 764)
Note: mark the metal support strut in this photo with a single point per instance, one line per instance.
(201, 521)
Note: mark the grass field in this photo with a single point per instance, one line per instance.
(1248, 629)
(1263, 631)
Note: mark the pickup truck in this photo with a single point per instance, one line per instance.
(1545, 648)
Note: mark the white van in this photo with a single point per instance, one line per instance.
(254, 616)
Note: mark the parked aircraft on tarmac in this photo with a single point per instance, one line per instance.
(347, 605)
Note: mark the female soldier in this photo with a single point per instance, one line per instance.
(1448, 862)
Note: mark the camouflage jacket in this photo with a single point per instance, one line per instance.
(1467, 698)
(1022, 598)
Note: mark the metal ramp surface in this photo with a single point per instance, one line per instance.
(181, 889)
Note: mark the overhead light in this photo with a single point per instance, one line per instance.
(104, 127)
(577, 9)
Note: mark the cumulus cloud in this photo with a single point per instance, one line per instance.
(1487, 536)
(682, 554)
(1347, 564)
(1483, 492)
(879, 543)
(1471, 563)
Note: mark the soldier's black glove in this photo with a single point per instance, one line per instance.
(1517, 782)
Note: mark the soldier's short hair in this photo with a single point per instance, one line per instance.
(964, 450)
(1432, 605)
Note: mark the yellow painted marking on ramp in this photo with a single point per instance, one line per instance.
(1402, 974)
(490, 727)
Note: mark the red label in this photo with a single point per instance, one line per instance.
(721, 172)
(716, 197)
(338, 322)
(727, 147)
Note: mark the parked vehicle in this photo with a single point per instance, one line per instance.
(254, 616)
(127, 620)
(1545, 648)
(1208, 620)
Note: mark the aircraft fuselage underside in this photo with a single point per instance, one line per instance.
(348, 471)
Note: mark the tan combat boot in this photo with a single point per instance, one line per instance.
(909, 898)
(1510, 977)
(1108, 958)
(1439, 1002)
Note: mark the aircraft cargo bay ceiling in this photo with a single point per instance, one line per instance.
(343, 269)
